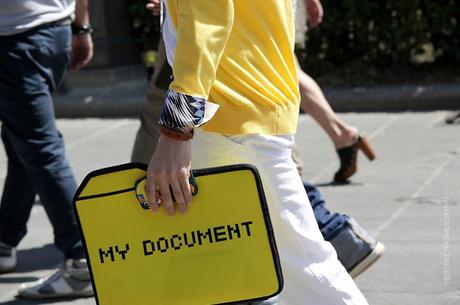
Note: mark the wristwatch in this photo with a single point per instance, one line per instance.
(177, 135)
(81, 30)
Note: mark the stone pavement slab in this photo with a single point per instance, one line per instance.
(409, 198)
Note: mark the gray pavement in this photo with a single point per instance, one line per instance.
(409, 198)
(119, 99)
(118, 92)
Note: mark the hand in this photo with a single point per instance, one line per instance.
(314, 12)
(154, 6)
(169, 169)
(82, 51)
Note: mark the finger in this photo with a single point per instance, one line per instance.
(154, 9)
(151, 192)
(186, 188)
(166, 197)
(320, 19)
(314, 20)
(80, 58)
(155, 3)
(74, 65)
(85, 61)
(76, 62)
(321, 12)
(88, 56)
(178, 195)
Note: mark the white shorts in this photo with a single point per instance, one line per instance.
(311, 270)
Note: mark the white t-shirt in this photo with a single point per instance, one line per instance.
(18, 16)
(300, 22)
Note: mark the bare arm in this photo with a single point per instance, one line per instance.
(81, 13)
(82, 45)
(314, 12)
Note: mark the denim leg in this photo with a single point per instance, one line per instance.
(329, 223)
(32, 65)
(13, 217)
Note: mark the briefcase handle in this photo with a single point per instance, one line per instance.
(142, 198)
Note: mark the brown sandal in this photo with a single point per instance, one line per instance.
(348, 158)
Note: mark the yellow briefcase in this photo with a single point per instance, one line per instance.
(221, 251)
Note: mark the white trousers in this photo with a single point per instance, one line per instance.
(312, 273)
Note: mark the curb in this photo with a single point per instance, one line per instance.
(103, 93)
(120, 92)
(122, 100)
(395, 98)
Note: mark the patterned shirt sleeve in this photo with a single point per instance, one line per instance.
(199, 32)
(181, 111)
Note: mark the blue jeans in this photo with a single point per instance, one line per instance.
(329, 223)
(32, 65)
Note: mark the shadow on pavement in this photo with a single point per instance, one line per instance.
(29, 260)
(19, 301)
(17, 279)
(46, 257)
(334, 184)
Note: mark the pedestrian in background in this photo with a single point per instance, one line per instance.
(36, 49)
(346, 138)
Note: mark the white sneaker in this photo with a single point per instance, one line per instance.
(70, 281)
(8, 259)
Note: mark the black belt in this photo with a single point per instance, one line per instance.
(64, 21)
(61, 22)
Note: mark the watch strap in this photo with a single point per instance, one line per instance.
(81, 30)
(177, 135)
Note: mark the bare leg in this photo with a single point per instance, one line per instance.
(314, 103)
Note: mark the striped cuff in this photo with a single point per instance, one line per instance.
(182, 112)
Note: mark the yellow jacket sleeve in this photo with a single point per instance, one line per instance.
(238, 54)
(203, 28)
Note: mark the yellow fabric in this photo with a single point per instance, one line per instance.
(238, 54)
(229, 268)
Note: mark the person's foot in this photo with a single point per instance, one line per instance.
(71, 281)
(453, 118)
(346, 136)
(8, 259)
(349, 156)
(355, 248)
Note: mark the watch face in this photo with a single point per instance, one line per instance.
(79, 30)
